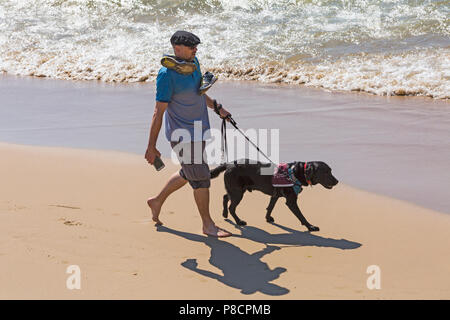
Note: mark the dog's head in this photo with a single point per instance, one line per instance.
(319, 172)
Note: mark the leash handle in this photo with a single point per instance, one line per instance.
(231, 120)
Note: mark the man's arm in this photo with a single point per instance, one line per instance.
(210, 103)
(155, 127)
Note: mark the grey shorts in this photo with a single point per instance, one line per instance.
(194, 167)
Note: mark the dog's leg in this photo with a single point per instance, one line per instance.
(273, 200)
(291, 202)
(225, 206)
(235, 198)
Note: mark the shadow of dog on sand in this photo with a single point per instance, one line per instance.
(292, 238)
(241, 270)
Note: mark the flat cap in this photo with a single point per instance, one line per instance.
(184, 37)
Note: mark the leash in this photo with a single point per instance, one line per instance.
(224, 146)
(217, 108)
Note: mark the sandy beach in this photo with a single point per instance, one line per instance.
(360, 85)
(62, 207)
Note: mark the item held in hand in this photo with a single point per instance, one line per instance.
(159, 164)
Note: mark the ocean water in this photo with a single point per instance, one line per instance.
(384, 47)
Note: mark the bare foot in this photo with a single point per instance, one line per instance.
(216, 232)
(155, 205)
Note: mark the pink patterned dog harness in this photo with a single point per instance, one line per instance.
(283, 176)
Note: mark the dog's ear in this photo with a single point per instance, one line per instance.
(309, 172)
(297, 169)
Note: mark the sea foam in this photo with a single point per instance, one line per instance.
(381, 47)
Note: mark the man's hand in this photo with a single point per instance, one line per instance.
(224, 114)
(151, 154)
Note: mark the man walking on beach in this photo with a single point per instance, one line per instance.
(177, 95)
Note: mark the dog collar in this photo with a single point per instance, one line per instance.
(304, 172)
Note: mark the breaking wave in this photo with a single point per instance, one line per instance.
(381, 47)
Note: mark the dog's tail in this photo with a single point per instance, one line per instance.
(216, 171)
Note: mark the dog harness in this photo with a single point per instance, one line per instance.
(284, 177)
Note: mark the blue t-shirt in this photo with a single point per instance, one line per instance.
(186, 108)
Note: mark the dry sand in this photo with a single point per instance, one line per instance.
(62, 207)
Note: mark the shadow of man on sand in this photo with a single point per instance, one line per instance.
(293, 238)
(240, 270)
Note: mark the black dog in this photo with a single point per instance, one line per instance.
(241, 176)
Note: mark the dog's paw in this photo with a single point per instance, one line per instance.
(225, 214)
(312, 228)
(270, 219)
(241, 223)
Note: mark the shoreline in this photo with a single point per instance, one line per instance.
(245, 82)
(65, 207)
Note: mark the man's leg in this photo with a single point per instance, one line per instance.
(175, 182)
(201, 196)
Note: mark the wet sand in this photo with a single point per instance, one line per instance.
(394, 146)
(64, 207)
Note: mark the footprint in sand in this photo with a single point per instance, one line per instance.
(143, 221)
(15, 207)
(70, 222)
(63, 206)
(150, 220)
